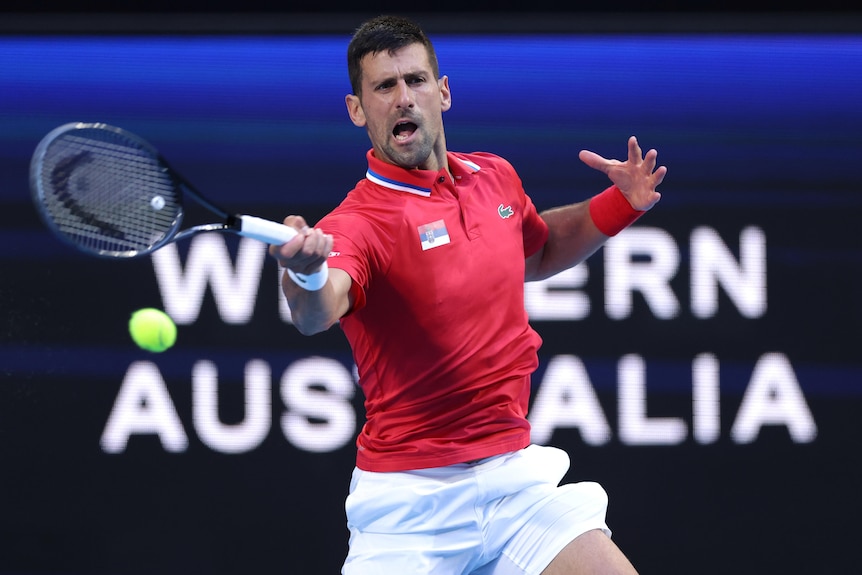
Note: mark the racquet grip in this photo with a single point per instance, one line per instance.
(276, 234)
(265, 230)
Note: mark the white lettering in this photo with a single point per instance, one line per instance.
(317, 392)
(635, 427)
(557, 297)
(644, 260)
(566, 399)
(283, 308)
(241, 437)
(318, 395)
(712, 264)
(706, 399)
(773, 397)
(209, 263)
(143, 406)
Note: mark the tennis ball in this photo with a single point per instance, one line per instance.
(152, 329)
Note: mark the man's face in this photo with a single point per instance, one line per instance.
(402, 106)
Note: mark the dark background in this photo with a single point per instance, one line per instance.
(755, 112)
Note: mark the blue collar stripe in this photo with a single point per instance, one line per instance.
(395, 185)
(475, 167)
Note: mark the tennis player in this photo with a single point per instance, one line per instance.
(427, 258)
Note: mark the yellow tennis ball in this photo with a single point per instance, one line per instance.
(152, 329)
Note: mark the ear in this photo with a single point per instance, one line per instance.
(445, 94)
(354, 110)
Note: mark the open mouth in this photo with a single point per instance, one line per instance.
(403, 130)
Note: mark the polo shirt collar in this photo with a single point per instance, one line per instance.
(419, 182)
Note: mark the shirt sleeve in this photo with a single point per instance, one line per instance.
(348, 252)
(534, 228)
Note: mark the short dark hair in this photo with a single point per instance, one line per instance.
(385, 34)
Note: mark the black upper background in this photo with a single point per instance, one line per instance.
(297, 16)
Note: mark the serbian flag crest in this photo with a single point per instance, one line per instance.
(433, 235)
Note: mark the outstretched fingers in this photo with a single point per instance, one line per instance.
(635, 153)
(596, 161)
(647, 162)
(637, 177)
(656, 173)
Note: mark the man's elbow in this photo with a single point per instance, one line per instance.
(310, 326)
(314, 312)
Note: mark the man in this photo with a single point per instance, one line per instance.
(423, 266)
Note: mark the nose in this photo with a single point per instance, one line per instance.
(404, 96)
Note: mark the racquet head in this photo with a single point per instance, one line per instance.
(105, 190)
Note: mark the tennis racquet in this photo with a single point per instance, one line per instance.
(111, 194)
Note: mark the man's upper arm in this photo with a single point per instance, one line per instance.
(342, 285)
(532, 264)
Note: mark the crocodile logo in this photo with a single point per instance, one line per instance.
(506, 212)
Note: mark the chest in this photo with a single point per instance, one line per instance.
(456, 248)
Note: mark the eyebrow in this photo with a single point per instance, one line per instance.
(393, 78)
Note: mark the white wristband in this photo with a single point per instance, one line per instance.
(310, 282)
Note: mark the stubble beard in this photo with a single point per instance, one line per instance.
(415, 155)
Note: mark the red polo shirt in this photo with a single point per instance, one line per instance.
(439, 332)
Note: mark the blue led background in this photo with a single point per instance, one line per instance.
(540, 98)
(757, 130)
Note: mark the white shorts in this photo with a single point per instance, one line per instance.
(505, 515)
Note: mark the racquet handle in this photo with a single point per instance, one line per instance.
(265, 230)
(276, 234)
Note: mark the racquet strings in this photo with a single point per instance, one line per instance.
(108, 193)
